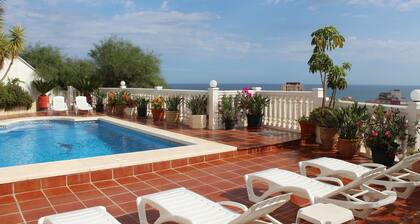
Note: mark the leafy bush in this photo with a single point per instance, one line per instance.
(228, 108)
(12, 96)
(198, 105)
(172, 103)
(140, 101)
(324, 117)
(43, 86)
(158, 103)
(100, 96)
(351, 120)
(252, 104)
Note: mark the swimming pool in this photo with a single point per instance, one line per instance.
(30, 142)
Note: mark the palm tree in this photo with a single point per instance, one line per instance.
(321, 63)
(337, 80)
(15, 46)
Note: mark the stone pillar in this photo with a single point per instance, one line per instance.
(413, 115)
(213, 105)
(317, 97)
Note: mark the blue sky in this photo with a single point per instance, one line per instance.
(237, 41)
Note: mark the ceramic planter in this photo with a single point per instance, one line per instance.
(142, 111)
(347, 148)
(198, 121)
(99, 108)
(382, 157)
(172, 117)
(307, 132)
(254, 121)
(229, 124)
(43, 102)
(158, 114)
(329, 138)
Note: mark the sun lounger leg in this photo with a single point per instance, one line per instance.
(142, 211)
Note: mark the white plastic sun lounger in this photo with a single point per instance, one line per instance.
(184, 206)
(397, 177)
(82, 104)
(94, 215)
(356, 196)
(58, 104)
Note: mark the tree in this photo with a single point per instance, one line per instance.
(12, 46)
(47, 60)
(117, 59)
(327, 38)
(1, 15)
(337, 80)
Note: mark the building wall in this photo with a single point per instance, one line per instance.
(23, 71)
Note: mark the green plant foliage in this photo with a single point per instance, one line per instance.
(117, 59)
(12, 96)
(99, 96)
(351, 121)
(252, 104)
(198, 105)
(387, 130)
(141, 101)
(43, 86)
(229, 108)
(324, 117)
(306, 119)
(172, 103)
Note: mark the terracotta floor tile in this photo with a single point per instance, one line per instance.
(102, 201)
(34, 204)
(69, 207)
(129, 207)
(7, 199)
(82, 187)
(123, 198)
(8, 208)
(114, 190)
(30, 196)
(63, 199)
(33, 215)
(204, 189)
(145, 191)
(115, 211)
(127, 180)
(11, 218)
(106, 184)
(87, 195)
(158, 182)
(137, 186)
(52, 192)
(148, 176)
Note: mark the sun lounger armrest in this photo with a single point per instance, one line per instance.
(371, 165)
(233, 204)
(330, 179)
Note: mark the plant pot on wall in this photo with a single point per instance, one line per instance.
(329, 138)
(198, 121)
(229, 124)
(158, 114)
(43, 102)
(347, 148)
(383, 157)
(172, 117)
(254, 121)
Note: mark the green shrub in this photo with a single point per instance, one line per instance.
(43, 86)
(12, 96)
(198, 105)
(229, 109)
(172, 103)
(324, 117)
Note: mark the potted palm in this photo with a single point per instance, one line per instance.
(326, 120)
(157, 108)
(119, 103)
(229, 111)
(172, 109)
(43, 87)
(99, 96)
(307, 129)
(350, 128)
(385, 134)
(141, 104)
(198, 106)
(253, 105)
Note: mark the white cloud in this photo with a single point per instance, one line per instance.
(402, 5)
(164, 5)
(276, 2)
(166, 32)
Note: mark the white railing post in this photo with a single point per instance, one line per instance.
(213, 104)
(413, 115)
(317, 97)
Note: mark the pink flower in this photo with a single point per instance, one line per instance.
(388, 134)
(374, 134)
(245, 91)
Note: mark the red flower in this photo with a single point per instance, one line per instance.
(374, 134)
(388, 134)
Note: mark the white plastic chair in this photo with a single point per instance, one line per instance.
(59, 105)
(184, 206)
(397, 177)
(94, 215)
(82, 104)
(356, 196)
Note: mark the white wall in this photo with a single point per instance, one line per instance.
(23, 71)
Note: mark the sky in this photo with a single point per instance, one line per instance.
(236, 41)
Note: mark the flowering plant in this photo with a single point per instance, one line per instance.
(158, 102)
(387, 130)
(351, 120)
(252, 104)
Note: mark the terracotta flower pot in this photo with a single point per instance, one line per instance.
(43, 102)
(158, 114)
(347, 148)
(329, 138)
(119, 110)
(307, 132)
(172, 117)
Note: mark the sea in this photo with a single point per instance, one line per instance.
(361, 93)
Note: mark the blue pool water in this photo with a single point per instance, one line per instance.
(45, 141)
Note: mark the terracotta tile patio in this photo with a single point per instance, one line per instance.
(221, 179)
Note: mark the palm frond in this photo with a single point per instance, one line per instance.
(17, 41)
(1, 15)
